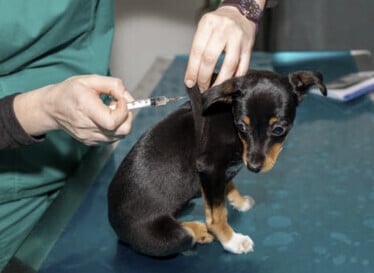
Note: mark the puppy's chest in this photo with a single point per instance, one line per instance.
(232, 170)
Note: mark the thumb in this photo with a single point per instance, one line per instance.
(118, 108)
(113, 116)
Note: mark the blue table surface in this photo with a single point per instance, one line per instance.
(314, 210)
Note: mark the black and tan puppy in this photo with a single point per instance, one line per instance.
(190, 154)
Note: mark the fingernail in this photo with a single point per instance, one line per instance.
(189, 83)
(127, 95)
(202, 89)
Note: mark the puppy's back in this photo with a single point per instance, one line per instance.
(156, 179)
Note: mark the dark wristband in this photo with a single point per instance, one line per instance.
(249, 8)
(12, 134)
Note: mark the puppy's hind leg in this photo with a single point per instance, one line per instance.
(239, 202)
(162, 236)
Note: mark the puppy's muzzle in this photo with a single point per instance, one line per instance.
(255, 162)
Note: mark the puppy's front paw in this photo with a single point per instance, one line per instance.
(245, 203)
(239, 244)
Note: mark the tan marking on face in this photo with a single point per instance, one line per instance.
(198, 231)
(271, 157)
(245, 150)
(272, 121)
(247, 120)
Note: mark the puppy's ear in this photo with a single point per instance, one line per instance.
(223, 92)
(301, 82)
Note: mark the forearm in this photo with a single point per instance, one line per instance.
(31, 111)
(73, 105)
(12, 133)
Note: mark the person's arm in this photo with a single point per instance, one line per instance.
(74, 106)
(11, 132)
(224, 30)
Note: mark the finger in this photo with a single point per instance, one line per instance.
(243, 64)
(125, 128)
(109, 118)
(105, 85)
(210, 57)
(246, 50)
(124, 122)
(201, 38)
(103, 116)
(231, 61)
(127, 96)
(97, 138)
(118, 123)
(104, 136)
(113, 105)
(245, 58)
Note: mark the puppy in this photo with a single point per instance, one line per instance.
(196, 151)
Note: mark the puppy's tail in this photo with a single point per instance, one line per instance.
(161, 237)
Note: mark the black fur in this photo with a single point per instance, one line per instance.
(167, 168)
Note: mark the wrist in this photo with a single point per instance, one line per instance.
(251, 9)
(32, 109)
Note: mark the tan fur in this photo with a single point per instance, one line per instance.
(272, 156)
(219, 226)
(246, 120)
(216, 219)
(208, 210)
(234, 196)
(272, 121)
(245, 151)
(198, 231)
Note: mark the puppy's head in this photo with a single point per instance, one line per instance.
(264, 106)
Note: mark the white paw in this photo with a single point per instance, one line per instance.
(246, 205)
(239, 244)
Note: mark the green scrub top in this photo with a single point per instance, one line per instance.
(44, 42)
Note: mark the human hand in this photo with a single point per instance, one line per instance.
(74, 105)
(224, 29)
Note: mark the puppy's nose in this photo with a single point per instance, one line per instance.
(255, 162)
(255, 166)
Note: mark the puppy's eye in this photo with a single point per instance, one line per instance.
(242, 127)
(278, 130)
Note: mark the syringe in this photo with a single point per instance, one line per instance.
(155, 101)
(150, 102)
